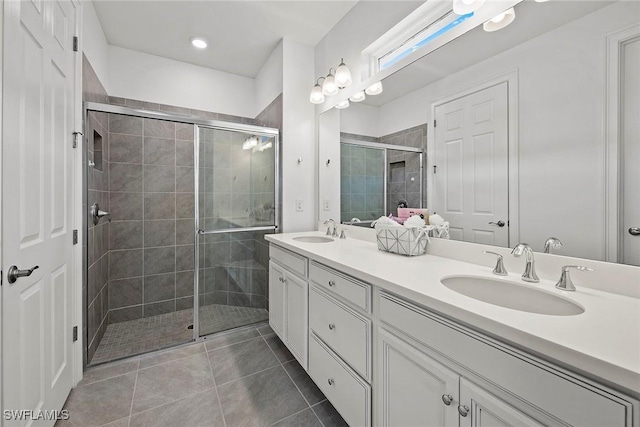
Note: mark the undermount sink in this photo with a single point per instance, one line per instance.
(313, 239)
(512, 295)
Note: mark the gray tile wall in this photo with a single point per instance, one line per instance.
(95, 289)
(406, 185)
(361, 182)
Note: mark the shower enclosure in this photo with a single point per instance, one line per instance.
(375, 177)
(177, 210)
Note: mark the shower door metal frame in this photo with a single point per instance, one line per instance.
(197, 122)
(253, 130)
(385, 148)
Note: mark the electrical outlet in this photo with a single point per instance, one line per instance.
(299, 205)
(326, 205)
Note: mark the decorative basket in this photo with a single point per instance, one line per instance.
(401, 240)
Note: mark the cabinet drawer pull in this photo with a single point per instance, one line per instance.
(330, 381)
(332, 326)
(447, 399)
(332, 283)
(463, 410)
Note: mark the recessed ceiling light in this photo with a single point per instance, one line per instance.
(199, 42)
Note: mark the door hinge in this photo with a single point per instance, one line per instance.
(75, 333)
(75, 43)
(434, 168)
(76, 136)
(75, 237)
(434, 123)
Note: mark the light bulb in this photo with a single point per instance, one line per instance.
(343, 75)
(358, 97)
(500, 21)
(316, 96)
(464, 7)
(198, 42)
(343, 104)
(374, 89)
(329, 86)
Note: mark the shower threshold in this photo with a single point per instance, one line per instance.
(134, 337)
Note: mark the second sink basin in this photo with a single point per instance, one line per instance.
(512, 295)
(313, 239)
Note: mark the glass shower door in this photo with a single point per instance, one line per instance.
(237, 205)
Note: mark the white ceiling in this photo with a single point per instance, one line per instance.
(241, 34)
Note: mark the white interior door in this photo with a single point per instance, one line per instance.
(630, 90)
(471, 179)
(37, 205)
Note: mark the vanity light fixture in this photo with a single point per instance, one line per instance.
(329, 86)
(343, 104)
(358, 97)
(265, 145)
(374, 89)
(343, 75)
(199, 42)
(463, 7)
(317, 97)
(500, 21)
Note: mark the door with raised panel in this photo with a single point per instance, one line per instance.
(471, 174)
(296, 319)
(276, 299)
(479, 408)
(412, 389)
(37, 205)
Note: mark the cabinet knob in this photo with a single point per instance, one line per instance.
(280, 278)
(447, 399)
(330, 381)
(463, 410)
(332, 283)
(332, 326)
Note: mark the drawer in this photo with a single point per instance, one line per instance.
(354, 291)
(541, 385)
(291, 261)
(348, 393)
(341, 328)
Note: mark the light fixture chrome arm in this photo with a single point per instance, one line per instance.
(552, 242)
(499, 269)
(529, 274)
(565, 283)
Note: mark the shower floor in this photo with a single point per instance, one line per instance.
(134, 337)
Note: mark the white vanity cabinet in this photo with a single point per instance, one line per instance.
(288, 300)
(517, 389)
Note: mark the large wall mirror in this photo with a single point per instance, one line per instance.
(517, 135)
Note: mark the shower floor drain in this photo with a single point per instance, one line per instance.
(190, 326)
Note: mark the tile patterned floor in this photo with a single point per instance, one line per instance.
(244, 377)
(139, 336)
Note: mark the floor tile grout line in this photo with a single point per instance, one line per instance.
(172, 402)
(133, 396)
(289, 416)
(247, 376)
(173, 360)
(111, 422)
(224, 420)
(316, 414)
(108, 378)
(230, 345)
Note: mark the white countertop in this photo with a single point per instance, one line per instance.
(602, 343)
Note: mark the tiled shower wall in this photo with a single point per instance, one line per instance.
(95, 289)
(361, 182)
(403, 173)
(151, 195)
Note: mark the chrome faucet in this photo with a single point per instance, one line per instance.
(529, 274)
(354, 220)
(552, 242)
(332, 229)
(565, 283)
(499, 269)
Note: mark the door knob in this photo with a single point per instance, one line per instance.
(499, 223)
(634, 231)
(14, 273)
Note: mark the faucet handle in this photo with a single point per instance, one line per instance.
(565, 283)
(342, 234)
(499, 269)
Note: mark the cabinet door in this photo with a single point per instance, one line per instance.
(296, 319)
(480, 408)
(412, 388)
(276, 299)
